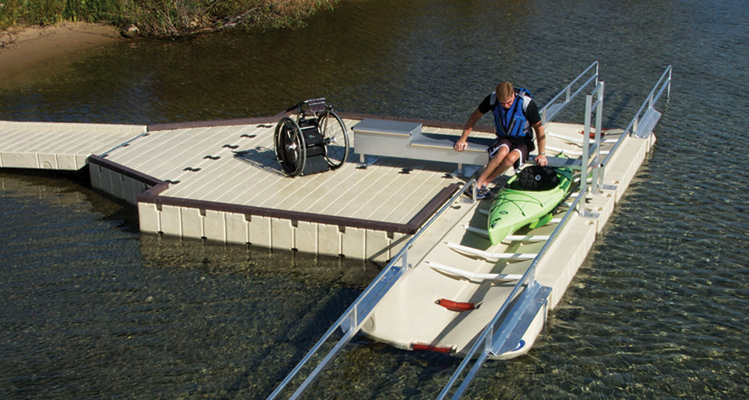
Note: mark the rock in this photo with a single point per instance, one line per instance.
(130, 31)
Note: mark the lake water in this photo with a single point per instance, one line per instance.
(93, 309)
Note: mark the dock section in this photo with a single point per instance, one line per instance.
(59, 146)
(222, 182)
(464, 267)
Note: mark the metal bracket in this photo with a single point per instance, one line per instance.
(589, 214)
(465, 171)
(366, 161)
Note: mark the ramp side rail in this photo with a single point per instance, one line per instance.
(636, 128)
(358, 312)
(557, 104)
(647, 108)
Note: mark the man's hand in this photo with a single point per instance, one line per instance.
(461, 144)
(541, 160)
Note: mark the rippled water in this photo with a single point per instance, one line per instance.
(91, 308)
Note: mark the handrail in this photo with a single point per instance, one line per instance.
(352, 316)
(650, 103)
(547, 114)
(591, 161)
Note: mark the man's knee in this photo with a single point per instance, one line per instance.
(511, 157)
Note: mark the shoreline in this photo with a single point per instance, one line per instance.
(30, 46)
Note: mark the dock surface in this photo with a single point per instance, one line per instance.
(223, 182)
(237, 165)
(59, 146)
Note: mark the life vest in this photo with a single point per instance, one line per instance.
(512, 123)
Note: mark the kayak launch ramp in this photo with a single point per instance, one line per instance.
(450, 290)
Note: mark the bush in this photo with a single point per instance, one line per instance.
(93, 10)
(10, 12)
(162, 17)
(184, 17)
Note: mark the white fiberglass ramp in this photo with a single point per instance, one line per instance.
(448, 298)
(451, 294)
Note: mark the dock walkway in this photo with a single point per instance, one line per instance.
(59, 146)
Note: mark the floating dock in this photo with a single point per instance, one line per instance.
(223, 183)
(401, 203)
(59, 146)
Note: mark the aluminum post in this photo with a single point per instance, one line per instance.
(586, 148)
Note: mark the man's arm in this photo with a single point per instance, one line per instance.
(541, 139)
(462, 143)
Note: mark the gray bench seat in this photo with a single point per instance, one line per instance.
(387, 138)
(406, 140)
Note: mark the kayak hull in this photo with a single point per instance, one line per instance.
(515, 207)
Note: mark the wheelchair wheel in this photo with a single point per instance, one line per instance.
(291, 150)
(336, 139)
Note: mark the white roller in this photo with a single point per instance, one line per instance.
(473, 276)
(489, 255)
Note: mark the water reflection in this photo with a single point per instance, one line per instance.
(217, 258)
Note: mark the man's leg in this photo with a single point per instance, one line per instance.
(494, 163)
(505, 164)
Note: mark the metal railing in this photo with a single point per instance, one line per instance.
(664, 83)
(352, 319)
(589, 165)
(554, 107)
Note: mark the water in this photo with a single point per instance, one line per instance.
(93, 309)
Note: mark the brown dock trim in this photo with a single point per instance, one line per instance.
(153, 196)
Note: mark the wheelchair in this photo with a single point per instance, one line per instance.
(315, 141)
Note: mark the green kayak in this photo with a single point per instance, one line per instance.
(529, 197)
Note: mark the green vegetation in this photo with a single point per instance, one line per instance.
(162, 18)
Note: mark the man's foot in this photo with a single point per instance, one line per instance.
(481, 193)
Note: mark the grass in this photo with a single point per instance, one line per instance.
(162, 18)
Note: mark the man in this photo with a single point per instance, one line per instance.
(515, 113)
